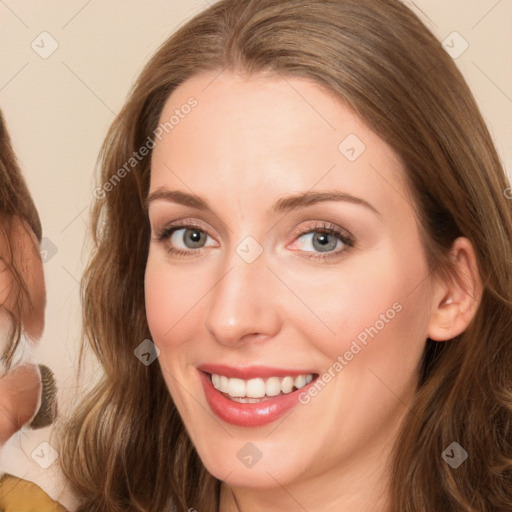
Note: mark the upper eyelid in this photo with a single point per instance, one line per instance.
(224, 228)
(182, 224)
(345, 236)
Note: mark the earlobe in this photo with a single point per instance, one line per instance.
(457, 298)
(33, 274)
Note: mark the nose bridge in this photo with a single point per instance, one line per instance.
(240, 302)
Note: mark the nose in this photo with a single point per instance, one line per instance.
(244, 303)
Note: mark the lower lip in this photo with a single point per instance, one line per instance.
(249, 415)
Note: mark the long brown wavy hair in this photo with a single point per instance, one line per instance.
(15, 204)
(126, 448)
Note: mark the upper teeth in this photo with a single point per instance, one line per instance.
(258, 388)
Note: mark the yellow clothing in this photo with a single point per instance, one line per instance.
(18, 495)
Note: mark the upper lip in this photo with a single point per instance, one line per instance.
(251, 372)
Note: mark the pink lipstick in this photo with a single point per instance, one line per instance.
(253, 396)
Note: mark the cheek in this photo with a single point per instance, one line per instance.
(372, 297)
(172, 319)
(163, 298)
(173, 300)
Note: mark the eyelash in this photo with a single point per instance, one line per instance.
(322, 227)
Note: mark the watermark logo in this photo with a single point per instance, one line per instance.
(147, 352)
(44, 45)
(249, 455)
(454, 455)
(351, 147)
(47, 250)
(44, 455)
(249, 249)
(455, 45)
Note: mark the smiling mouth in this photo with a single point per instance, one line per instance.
(258, 389)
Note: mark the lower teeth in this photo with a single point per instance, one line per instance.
(247, 400)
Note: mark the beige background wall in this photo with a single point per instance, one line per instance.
(58, 107)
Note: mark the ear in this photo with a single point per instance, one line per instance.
(26, 259)
(5, 276)
(456, 300)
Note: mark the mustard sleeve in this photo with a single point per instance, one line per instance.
(17, 495)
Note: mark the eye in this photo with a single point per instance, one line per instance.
(192, 238)
(184, 239)
(323, 241)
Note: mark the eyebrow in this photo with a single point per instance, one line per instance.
(284, 204)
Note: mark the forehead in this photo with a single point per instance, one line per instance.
(267, 136)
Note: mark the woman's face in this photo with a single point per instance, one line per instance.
(284, 248)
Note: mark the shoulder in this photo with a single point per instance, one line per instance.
(17, 495)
